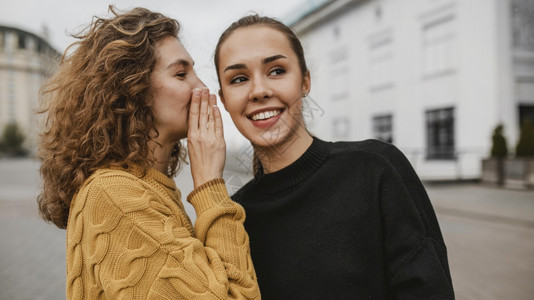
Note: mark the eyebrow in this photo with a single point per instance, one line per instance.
(272, 58)
(264, 62)
(179, 62)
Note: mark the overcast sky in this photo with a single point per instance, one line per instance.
(202, 22)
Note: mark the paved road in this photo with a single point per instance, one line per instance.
(489, 233)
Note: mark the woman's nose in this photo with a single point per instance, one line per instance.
(197, 83)
(260, 90)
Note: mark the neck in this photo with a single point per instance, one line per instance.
(161, 155)
(275, 158)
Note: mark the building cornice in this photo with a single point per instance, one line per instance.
(19, 30)
(322, 13)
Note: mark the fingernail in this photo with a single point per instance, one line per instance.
(196, 92)
(205, 90)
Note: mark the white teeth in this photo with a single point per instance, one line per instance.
(265, 115)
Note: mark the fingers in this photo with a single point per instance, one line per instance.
(203, 119)
(194, 111)
(215, 119)
(204, 115)
(207, 149)
(211, 103)
(219, 132)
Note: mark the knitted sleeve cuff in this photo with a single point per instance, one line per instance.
(208, 195)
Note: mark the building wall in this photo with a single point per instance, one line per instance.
(407, 59)
(26, 60)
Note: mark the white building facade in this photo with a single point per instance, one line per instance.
(26, 60)
(433, 77)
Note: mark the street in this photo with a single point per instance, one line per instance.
(489, 233)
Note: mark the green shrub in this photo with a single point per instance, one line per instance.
(12, 140)
(525, 145)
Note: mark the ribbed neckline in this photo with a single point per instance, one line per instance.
(298, 171)
(161, 178)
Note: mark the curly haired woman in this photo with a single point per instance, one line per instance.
(123, 98)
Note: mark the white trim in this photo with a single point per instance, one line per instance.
(438, 15)
(331, 8)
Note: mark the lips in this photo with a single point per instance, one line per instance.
(265, 114)
(265, 117)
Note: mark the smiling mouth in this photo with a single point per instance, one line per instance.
(265, 115)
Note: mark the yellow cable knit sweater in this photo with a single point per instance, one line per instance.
(128, 237)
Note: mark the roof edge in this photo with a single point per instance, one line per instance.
(318, 11)
(40, 38)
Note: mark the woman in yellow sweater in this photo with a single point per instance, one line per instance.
(123, 98)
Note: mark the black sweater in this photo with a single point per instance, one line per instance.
(347, 220)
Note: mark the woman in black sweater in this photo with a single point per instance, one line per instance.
(346, 220)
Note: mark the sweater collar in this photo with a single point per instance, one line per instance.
(296, 172)
(161, 178)
(152, 173)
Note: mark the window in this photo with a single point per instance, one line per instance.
(339, 83)
(526, 112)
(440, 133)
(439, 39)
(22, 41)
(339, 73)
(523, 25)
(383, 128)
(381, 61)
(341, 128)
(339, 55)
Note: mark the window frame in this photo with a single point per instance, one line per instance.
(440, 134)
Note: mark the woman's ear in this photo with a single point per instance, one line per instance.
(221, 96)
(306, 83)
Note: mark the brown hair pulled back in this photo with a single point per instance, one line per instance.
(97, 106)
(256, 20)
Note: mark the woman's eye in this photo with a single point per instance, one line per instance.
(278, 71)
(181, 74)
(238, 79)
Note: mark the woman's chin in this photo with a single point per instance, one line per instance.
(267, 141)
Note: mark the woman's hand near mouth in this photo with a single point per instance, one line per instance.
(205, 138)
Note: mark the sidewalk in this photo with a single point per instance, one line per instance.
(484, 202)
(489, 233)
(32, 253)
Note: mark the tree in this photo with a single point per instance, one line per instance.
(12, 140)
(499, 148)
(525, 145)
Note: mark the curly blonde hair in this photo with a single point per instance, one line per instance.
(98, 106)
